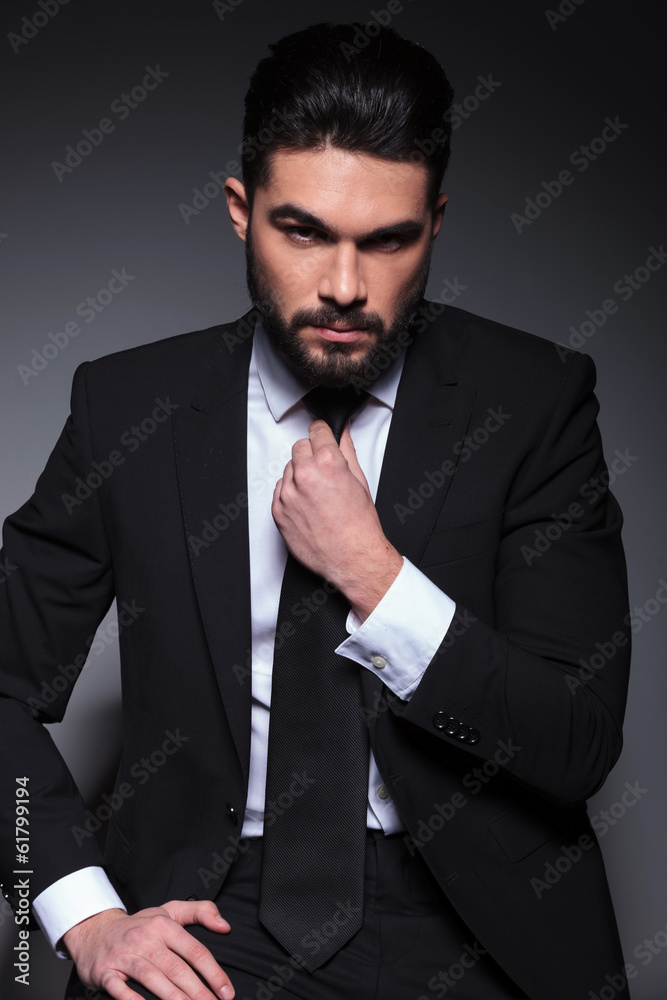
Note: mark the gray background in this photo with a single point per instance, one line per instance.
(119, 208)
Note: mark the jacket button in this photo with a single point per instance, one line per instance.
(462, 732)
(192, 898)
(474, 736)
(439, 720)
(452, 727)
(232, 813)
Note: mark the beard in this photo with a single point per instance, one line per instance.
(338, 364)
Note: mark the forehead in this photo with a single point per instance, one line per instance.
(349, 190)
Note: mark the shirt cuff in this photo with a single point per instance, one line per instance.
(403, 633)
(72, 899)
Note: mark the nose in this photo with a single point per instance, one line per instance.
(343, 281)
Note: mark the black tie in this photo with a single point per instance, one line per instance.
(312, 885)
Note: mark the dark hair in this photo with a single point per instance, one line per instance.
(378, 94)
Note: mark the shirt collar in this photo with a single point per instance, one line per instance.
(283, 389)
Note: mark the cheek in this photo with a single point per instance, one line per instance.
(292, 277)
(394, 283)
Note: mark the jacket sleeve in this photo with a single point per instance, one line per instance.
(57, 587)
(550, 677)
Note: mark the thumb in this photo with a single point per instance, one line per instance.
(201, 911)
(350, 455)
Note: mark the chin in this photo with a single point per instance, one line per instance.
(344, 365)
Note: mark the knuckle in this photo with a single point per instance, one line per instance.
(161, 922)
(173, 967)
(328, 456)
(304, 476)
(135, 936)
(197, 952)
(202, 994)
(141, 969)
(103, 980)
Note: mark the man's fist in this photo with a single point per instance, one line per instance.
(323, 509)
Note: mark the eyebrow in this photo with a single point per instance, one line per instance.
(407, 227)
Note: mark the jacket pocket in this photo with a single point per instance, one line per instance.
(520, 832)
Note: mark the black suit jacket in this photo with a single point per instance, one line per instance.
(493, 446)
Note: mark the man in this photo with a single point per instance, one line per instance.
(454, 556)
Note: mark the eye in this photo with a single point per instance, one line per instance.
(389, 242)
(303, 235)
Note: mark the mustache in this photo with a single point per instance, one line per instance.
(328, 315)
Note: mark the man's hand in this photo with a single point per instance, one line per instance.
(153, 948)
(324, 511)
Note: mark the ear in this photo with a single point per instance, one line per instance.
(438, 213)
(237, 205)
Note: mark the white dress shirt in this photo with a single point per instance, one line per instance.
(397, 641)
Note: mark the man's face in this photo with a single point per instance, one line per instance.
(337, 258)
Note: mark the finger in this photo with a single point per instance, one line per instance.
(117, 988)
(288, 471)
(320, 435)
(347, 446)
(350, 454)
(207, 914)
(199, 911)
(197, 964)
(277, 501)
(286, 478)
(176, 984)
(302, 449)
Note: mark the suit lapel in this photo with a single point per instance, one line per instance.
(211, 457)
(431, 416)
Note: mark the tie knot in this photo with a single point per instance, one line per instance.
(336, 406)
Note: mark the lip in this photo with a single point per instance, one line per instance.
(341, 335)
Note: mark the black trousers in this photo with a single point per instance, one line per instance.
(412, 945)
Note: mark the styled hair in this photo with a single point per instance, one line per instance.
(336, 84)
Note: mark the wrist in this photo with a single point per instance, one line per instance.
(81, 930)
(367, 588)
